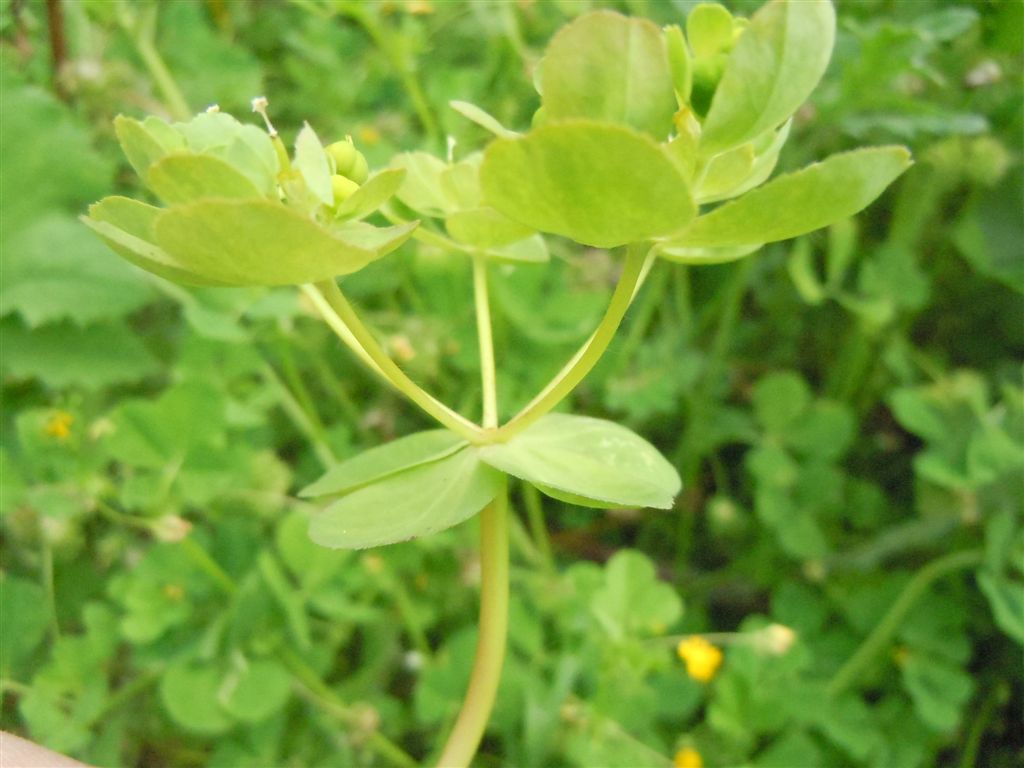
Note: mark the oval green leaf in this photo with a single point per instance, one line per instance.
(599, 184)
(485, 228)
(681, 254)
(592, 458)
(777, 62)
(607, 67)
(800, 202)
(184, 178)
(384, 460)
(417, 502)
(126, 226)
(260, 242)
(143, 145)
(377, 190)
(421, 188)
(312, 164)
(484, 119)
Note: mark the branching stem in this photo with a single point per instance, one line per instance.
(638, 261)
(352, 331)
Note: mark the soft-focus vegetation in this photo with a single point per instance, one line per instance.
(841, 581)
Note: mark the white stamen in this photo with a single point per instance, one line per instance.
(260, 104)
(451, 149)
(213, 109)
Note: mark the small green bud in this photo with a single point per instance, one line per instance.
(344, 155)
(359, 170)
(342, 187)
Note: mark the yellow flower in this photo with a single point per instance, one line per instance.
(59, 425)
(688, 757)
(701, 657)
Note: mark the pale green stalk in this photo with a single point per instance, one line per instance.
(490, 650)
(638, 261)
(361, 337)
(483, 324)
(494, 566)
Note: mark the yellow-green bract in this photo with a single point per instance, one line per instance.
(234, 216)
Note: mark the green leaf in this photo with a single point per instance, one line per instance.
(589, 457)
(384, 460)
(939, 689)
(24, 624)
(725, 172)
(607, 67)
(259, 690)
(51, 272)
(780, 399)
(421, 188)
(800, 202)
(632, 600)
(127, 227)
(483, 119)
(599, 184)
(777, 62)
(417, 502)
(143, 143)
(485, 228)
(377, 190)
(149, 433)
(48, 158)
(531, 250)
(312, 163)
(189, 693)
(1006, 598)
(185, 178)
(260, 242)
(62, 354)
(709, 29)
(461, 182)
(682, 254)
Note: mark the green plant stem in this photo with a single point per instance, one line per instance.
(407, 610)
(326, 698)
(165, 83)
(486, 339)
(209, 566)
(890, 623)
(997, 694)
(638, 260)
(538, 528)
(300, 392)
(406, 71)
(359, 337)
(299, 417)
(46, 572)
(640, 320)
(732, 301)
(490, 650)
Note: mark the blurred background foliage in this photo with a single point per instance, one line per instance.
(846, 410)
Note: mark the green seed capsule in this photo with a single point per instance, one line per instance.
(359, 170)
(343, 188)
(344, 155)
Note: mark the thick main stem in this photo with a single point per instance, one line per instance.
(584, 361)
(483, 326)
(363, 339)
(490, 650)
